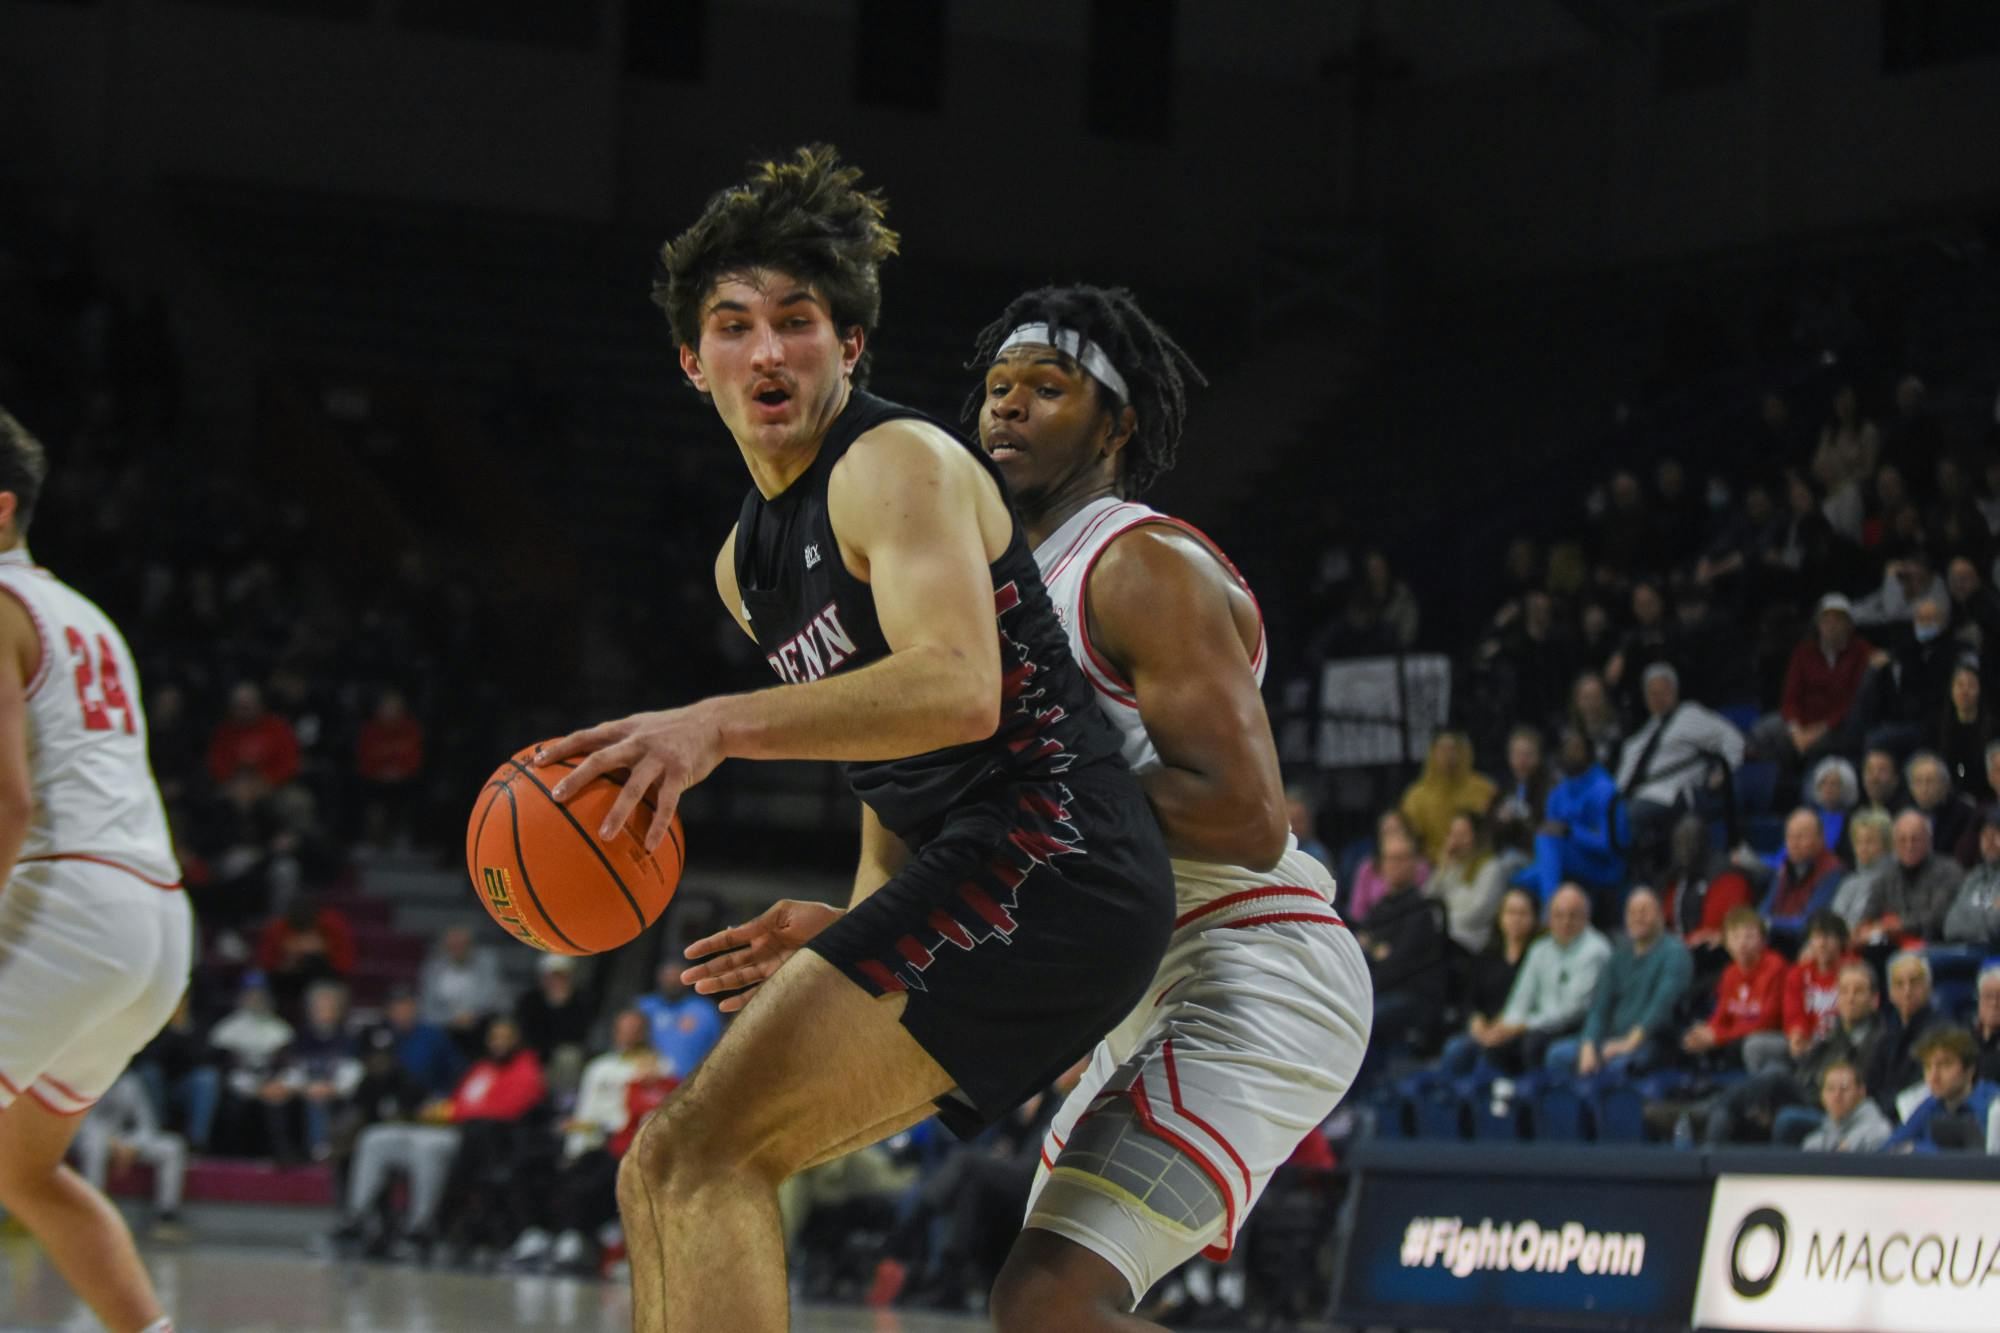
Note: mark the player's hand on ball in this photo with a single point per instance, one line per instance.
(743, 957)
(662, 754)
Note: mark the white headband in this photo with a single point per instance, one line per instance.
(1079, 348)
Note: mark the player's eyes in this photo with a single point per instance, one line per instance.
(997, 389)
(1050, 391)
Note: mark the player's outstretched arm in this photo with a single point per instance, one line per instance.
(906, 502)
(1160, 609)
(20, 650)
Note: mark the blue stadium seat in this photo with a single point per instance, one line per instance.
(1559, 1115)
(1764, 833)
(1504, 1127)
(1756, 787)
(1438, 1118)
(1742, 715)
(1620, 1114)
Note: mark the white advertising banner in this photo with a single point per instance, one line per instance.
(1825, 1255)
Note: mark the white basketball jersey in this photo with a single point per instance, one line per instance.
(1066, 559)
(95, 799)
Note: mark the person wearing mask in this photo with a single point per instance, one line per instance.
(1469, 881)
(1579, 839)
(1912, 682)
(1448, 786)
(1628, 1028)
(1854, 1123)
(1974, 915)
(1550, 998)
(1749, 999)
(1954, 1116)
(1806, 878)
(1918, 889)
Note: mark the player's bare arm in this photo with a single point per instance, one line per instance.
(1163, 610)
(916, 519)
(20, 652)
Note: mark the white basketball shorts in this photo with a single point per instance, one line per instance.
(1253, 1032)
(93, 960)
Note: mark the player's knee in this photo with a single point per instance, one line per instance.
(1037, 1291)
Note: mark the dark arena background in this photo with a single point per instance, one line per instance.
(1549, 343)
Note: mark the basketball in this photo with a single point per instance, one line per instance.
(542, 872)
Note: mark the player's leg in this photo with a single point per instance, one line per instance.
(813, 1065)
(1050, 1281)
(84, 1235)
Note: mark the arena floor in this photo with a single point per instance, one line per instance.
(238, 1289)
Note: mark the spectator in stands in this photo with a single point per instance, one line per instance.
(1517, 812)
(1302, 812)
(1975, 610)
(1649, 640)
(1806, 878)
(1965, 733)
(1629, 1027)
(1882, 783)
(388, 760)
(1911, 688)
(499, 1089)
(1701, 887)
(555, 1021)
(255, 738)
(182, 1073)
(1537, 651)
(1405, 954)
(1678, 515)
(1370, 880)
(1760, 1106)
(1800, 547)
(1625, 538)
(309, 941)
(1854, 1123)
(1911, 1018)
(684, 1026)
(1832, 791)
(1907, 579)
(1850, 445)
(1448, 786)
(1749, 999)
(316, 1075)
(1914, 437)
(567, 1212)
(250, 1035)
(1918, 889)
(1667, 762)
(460, 987)
(1859, 898)
(1490, 973)
(1986, 1023)
(1550, 998)
(1469, 881)
(1593, 713)
(1821, 685)
(1974, 915)
(1580, 837)
(1395, 604)
(122, 1128)
(1954, 1115)
(423, 1051)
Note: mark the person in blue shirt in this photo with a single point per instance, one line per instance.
(1954, 1115)
(424, 1051)
(1580, 834)
(685, 1026)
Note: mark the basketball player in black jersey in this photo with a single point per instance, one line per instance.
(1014, 895)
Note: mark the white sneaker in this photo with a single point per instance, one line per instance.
(570, 1248)
(531, 1245)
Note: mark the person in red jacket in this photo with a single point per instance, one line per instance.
(1750, 997)
(253, 737)
(1811, 987)
(307, 942)
(388, 759)
(1821, 683)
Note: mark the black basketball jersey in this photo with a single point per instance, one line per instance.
(812, 618)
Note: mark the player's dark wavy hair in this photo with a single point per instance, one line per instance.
(1155, 368)
(24, 466)
(804, 215)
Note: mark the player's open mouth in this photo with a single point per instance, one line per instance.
(773, 397)
(1003, 446)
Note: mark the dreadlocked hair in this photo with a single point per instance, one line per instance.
(803, 215)
(1155, 368)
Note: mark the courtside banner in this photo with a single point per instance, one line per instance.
(1851, 1256)
(1513, 1252)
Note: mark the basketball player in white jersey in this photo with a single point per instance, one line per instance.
(1257, 1020)
(95, 933)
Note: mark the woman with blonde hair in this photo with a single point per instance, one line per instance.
(1469, 881)
(1447, 787)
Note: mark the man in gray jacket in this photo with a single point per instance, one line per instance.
(1974, 917)
(1854, 1123)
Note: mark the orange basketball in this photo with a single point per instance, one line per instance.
(545, 875)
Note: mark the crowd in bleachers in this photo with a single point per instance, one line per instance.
(1756, 895)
